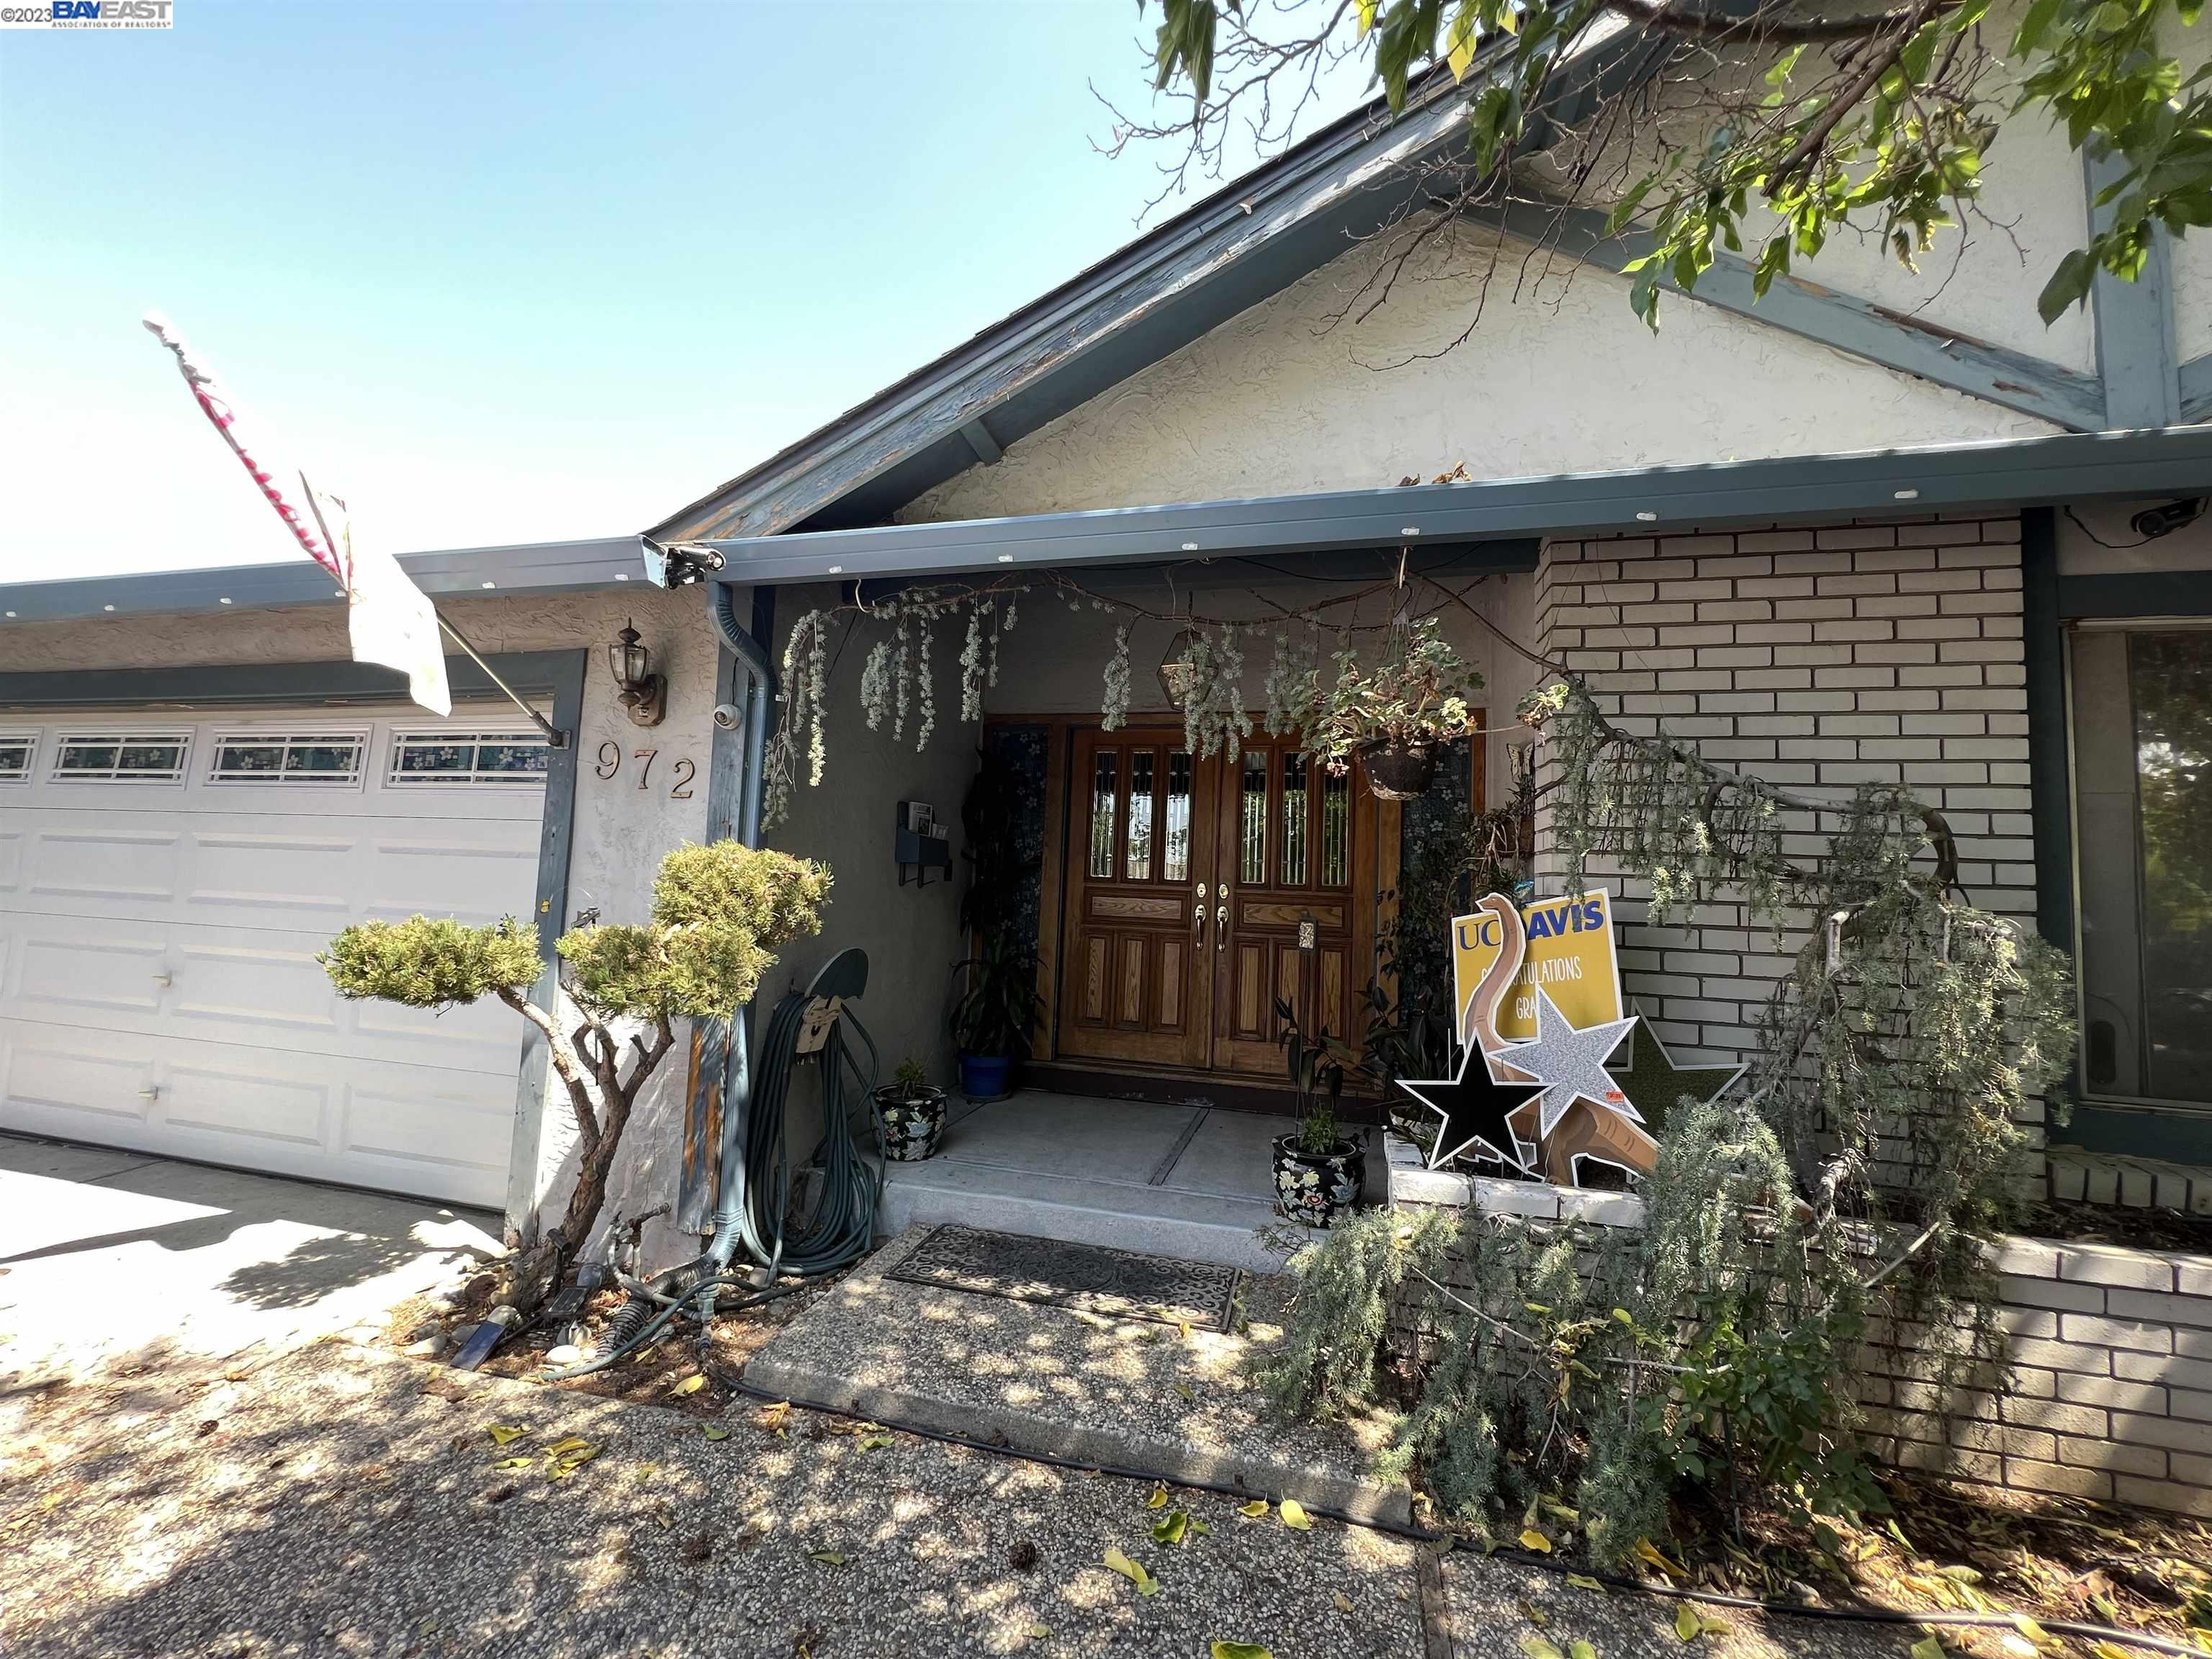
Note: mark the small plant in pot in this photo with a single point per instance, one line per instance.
(1317, 1171)
(911, 1113)
(996, 1007)
(1392, 716)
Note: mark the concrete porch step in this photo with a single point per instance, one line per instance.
(1128, 1216)
(1186, 1180)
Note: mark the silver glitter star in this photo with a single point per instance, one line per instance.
(1569, 1064)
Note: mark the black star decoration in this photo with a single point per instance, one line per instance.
(1652, 1080)
(1473, 1108)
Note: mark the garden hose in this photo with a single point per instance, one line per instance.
(751, 1215)
(1861, 1615)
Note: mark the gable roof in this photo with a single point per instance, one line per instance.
(1250, 239)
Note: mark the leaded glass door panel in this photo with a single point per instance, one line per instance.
(1138, 962)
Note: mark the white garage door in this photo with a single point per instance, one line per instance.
(164, 887)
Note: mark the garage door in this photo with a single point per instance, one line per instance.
(164, 887)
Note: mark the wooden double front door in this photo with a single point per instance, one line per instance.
(1199, 890)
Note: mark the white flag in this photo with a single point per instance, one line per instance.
(390, 620)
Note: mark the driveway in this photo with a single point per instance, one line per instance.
(112, 1258)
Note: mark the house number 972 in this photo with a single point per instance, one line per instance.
(610, 763)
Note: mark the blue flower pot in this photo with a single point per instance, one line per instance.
(986, 1077)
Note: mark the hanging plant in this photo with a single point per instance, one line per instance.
(1212, 673)
(1290, 676)
(1113, 706)
(1395, 713)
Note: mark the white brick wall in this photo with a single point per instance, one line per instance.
(1888, 652)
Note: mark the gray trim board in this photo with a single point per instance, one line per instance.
(2136, 355)
(2137, 594)
(558, 675)
(1911, 345)
(2049, 790)
(2196, 381)
(538, 568)
(555, 843)
(2000, 476)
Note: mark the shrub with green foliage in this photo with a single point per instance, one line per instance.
(426, 963)
(721, 912)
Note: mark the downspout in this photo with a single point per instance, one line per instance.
(750, 648)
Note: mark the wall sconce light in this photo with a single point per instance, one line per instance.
(644, 693)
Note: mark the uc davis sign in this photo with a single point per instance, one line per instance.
(1570, 953)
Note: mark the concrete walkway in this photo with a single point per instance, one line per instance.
(118, 1258)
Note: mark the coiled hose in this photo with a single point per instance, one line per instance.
(752, 1215)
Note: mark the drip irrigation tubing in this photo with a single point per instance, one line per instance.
(1863, 1615)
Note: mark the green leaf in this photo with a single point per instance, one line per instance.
(1687, 1625)
(2033, 27)
(1170, 1526)
(1928, 1648)
(1584, 1581)
(2068, 286)
(1541, 1647)
(828, 1558)
(1580, 1648)
(1241, 1651)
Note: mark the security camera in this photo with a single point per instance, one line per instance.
(728, 716)
(2162, 520)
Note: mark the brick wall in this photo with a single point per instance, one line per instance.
(2110, 1393)
(2109, 1389)
(1821, 658)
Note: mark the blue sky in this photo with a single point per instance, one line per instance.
(513, 271)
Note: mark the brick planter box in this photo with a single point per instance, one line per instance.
(2110, 1393)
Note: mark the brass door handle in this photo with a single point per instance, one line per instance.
(1220, 928)
(1198, 918)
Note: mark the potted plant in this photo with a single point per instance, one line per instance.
(1317, 1171)
(996, 1007)
(1393, 715)
(910, 1114)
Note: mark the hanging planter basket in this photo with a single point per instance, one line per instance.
(1398, 770)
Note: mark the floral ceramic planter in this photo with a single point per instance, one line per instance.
(1312, 1187)
(913, 1122)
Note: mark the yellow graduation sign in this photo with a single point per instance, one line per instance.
(1570, 953)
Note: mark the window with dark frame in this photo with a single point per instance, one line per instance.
(2142, 803)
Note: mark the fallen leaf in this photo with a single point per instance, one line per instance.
(1928, 1647)
(1159, 1500)
(875, 1443)
(1584, 1581)
(1646, 1552)
(1038, 1632)
(1255, 1508)
(1200, 1527)
(514, 1462)
(1687, 1625)
(1190, 1394)
(718, 1434)
(1241, 1651)
(1169, 1528)
(503, 1432)
(1294, 1515)
(1581, 1649)
(1534, 1614)
(1343, 1601)
(1133, 1571)
(1533, 1539)
(690, 1384)
(828, 1558)
(1541, 1647)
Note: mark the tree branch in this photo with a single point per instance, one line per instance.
(565, 1064)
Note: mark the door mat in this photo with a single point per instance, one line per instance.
(1086, 1278)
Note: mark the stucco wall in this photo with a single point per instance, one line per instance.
(621, 830)
(1278, 400)
(911, 933)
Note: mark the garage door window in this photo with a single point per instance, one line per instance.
(469, 757)
(16, 750)
(289, 758)
(121, 757)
